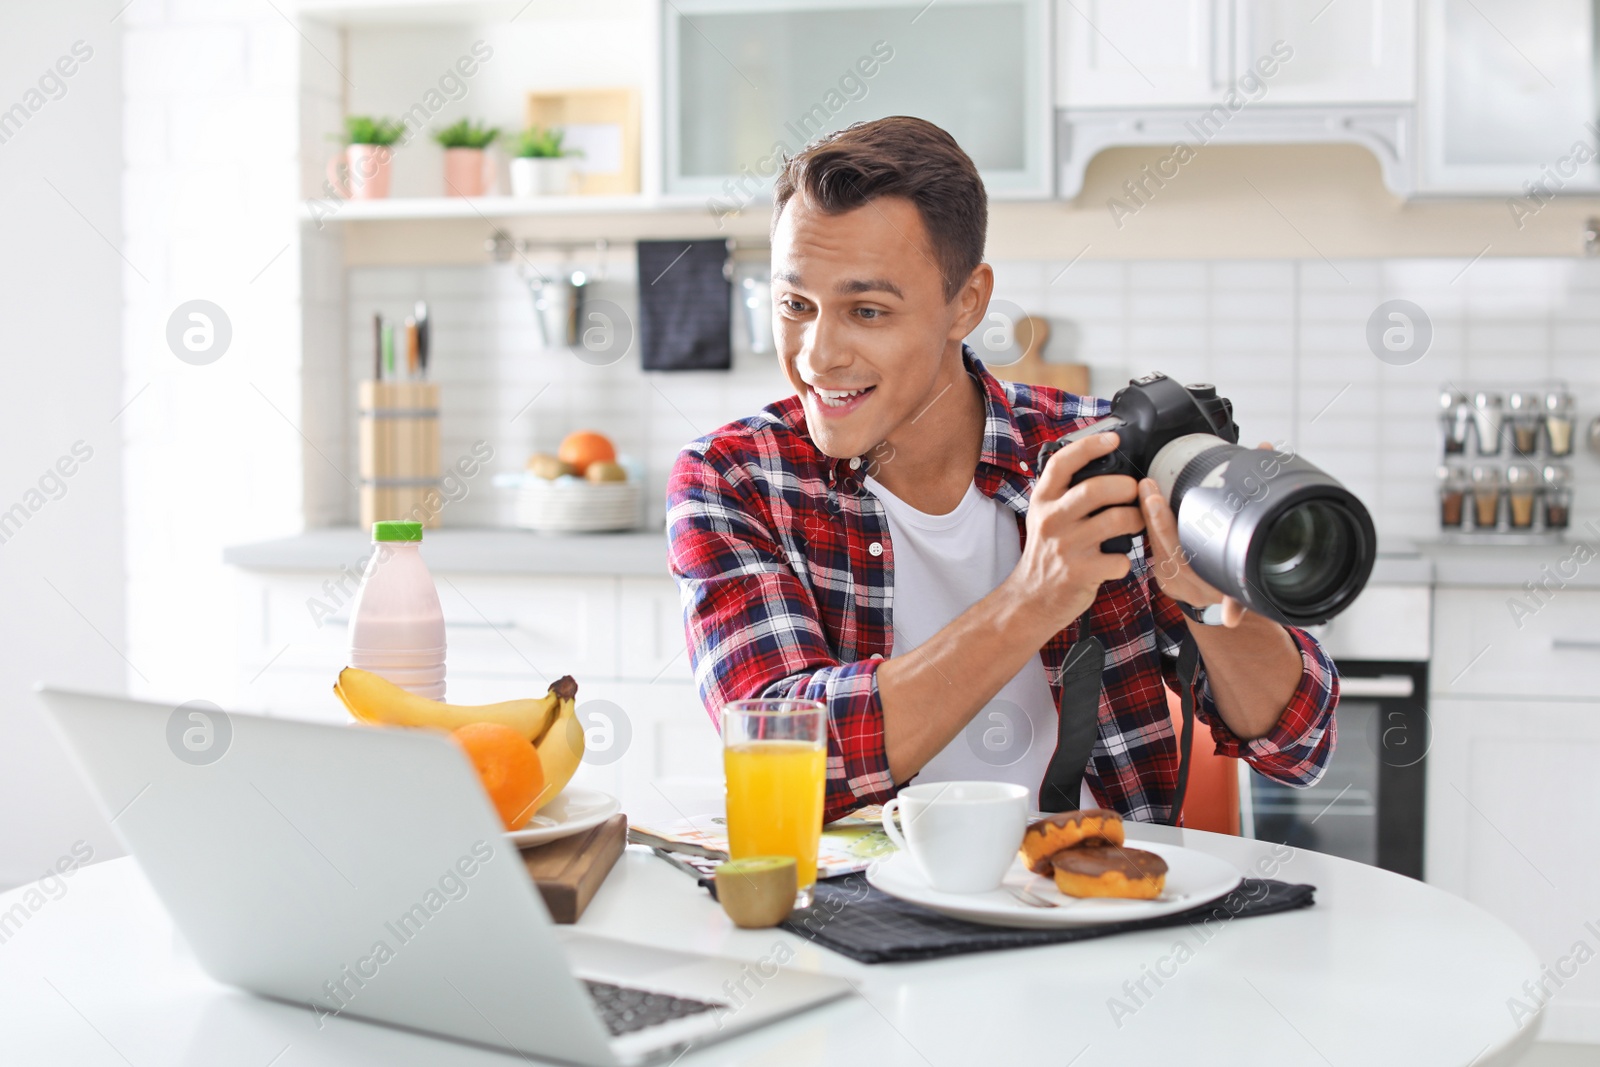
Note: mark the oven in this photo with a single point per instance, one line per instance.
(1369, 806)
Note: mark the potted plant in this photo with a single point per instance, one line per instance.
(541, 166)
(464, 159)
(366, 157)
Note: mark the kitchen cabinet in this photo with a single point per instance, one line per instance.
(747, 81)
(1139, 53)
(1512, 800)
(1508, 97)
(1492, 642)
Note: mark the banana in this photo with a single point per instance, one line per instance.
(373, 699)
(560, 749)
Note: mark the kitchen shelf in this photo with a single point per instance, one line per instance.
(410, 208)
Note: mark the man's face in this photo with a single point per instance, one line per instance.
(859, 307)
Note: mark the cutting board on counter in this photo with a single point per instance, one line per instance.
(1033, 333)
(569, 871)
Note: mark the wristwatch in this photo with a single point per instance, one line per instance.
(1210, 615)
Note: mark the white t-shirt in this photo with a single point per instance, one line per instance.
(944, 564)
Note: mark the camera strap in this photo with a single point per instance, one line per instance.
(1077, 726)
(1188, 662)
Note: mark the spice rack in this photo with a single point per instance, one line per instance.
(1505, 477)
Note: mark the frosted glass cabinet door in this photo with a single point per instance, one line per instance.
(1508, 96)
(749, 81)
(1361, 52)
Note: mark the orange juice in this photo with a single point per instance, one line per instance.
(775, 801)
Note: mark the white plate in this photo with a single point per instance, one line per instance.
(574, 811)
(1193, 878)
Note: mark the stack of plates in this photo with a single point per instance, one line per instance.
(568, 505)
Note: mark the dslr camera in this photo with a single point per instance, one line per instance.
(1272, 531)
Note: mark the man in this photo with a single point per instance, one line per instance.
(881, 543)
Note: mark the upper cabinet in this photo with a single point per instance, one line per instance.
(748, 81)
(1163, 53)
(1508, 96)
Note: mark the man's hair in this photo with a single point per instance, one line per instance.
(897, 156)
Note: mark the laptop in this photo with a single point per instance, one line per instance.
(362, 872)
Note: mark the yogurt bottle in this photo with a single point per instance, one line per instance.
(396, 626)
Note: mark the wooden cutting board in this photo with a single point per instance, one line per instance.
(1034, 333)
(569, 871)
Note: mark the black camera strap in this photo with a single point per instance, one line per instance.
(1077, 726)
(1188, 662)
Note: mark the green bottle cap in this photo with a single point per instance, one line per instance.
(391, 530)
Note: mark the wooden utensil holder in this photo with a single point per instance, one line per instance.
(399, 446)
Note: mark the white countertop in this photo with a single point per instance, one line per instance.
(484, 551)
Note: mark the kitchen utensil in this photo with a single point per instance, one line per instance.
(1455, 415)
(1558, 420)
(569, 871)
(1033, 333)
(1488, 415)
(573, 811)
(398, 447)
(424, 336)
(962, 835)
(1029, 898)
(1557, 496)
(1193, 878)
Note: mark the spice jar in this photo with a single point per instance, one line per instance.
(1485, 497)
(1452, 494)
(1524, 411)
(1455, 416)
(1488, 413)
(1558, 422)
(1557, 496)
(1522, 487)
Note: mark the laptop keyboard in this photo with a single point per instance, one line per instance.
(626, 1010)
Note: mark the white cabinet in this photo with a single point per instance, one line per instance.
(1141, 53)
(1508, 96)
(1514, 827)
(650, 637)
(1361, 52)
(1486, 645)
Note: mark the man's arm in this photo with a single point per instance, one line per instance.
(930, 693)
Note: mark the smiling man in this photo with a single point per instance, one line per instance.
(881, 543)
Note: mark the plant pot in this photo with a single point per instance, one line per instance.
(465, 172)
(366, 172)
(548, 176)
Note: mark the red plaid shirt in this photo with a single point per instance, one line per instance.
(786, 569)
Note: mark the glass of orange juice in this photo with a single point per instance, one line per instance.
(775, 758)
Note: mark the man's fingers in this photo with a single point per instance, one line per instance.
(1060, 467)
(1159, 518)
(1105, 491)
(1113, 522)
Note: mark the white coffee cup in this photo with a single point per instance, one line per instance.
(962, 835)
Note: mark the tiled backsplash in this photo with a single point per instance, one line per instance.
(1285, 339)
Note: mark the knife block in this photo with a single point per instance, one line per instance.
(399, 452)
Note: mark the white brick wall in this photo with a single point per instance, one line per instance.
(1285, 339)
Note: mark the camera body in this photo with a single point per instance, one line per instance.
(1270, 530)
(1148, 414)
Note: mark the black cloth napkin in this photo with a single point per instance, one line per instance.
(685, 305)
(854, 919)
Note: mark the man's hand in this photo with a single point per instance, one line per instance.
(1062, 567)
(1170, 563)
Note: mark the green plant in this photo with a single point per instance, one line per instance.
(466, 134)
(537, 143)
(364, 129)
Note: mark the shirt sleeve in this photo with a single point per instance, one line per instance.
(753, 628)
(1297, 749)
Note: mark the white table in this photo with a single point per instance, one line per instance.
(1382, 970)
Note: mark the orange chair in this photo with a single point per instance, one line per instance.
(1212, 800)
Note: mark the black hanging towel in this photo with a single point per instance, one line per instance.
(685, 305)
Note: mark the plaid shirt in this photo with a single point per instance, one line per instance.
(786, 570)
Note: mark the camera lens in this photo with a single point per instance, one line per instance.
(1309, 553)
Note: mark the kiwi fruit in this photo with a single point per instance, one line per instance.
(604, 470)
(757, 891)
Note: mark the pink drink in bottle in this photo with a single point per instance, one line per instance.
(397, 626)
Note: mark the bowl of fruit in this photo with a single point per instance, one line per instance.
(585, 487)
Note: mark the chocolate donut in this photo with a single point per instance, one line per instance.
(1066, 829)
(1109, 871)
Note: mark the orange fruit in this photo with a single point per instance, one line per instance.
(583, 447)
(509, 767)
